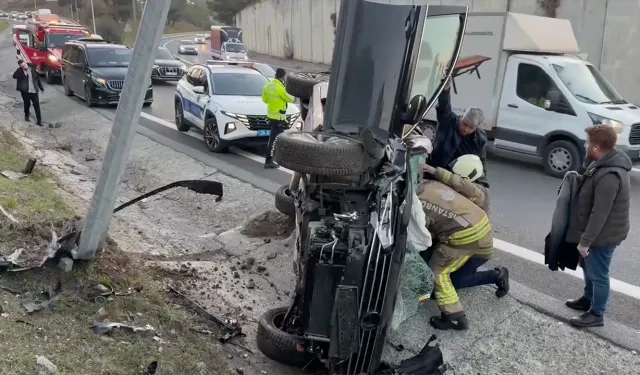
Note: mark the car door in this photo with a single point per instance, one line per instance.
(523, 120)
(202, 100)
(68, 53)
(188, 96)
(78, 75)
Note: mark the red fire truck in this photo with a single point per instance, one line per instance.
(42, 45)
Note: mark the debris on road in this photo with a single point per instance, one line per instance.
(21, 260)
(11, 175)
(8, 215)
(46, 366)
(108, 327)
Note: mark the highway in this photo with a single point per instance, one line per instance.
(522, 199)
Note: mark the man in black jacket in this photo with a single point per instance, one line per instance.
(28, 83)
(599, 220)
(458, 135)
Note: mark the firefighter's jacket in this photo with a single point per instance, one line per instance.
(276, 97)
(454, 219)
(476, 193)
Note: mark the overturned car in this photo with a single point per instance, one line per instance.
(353, 188)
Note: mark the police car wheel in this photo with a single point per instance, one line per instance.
(180, 121)
(212, 137)
(284, 201)
(329, 155)
(277, 344)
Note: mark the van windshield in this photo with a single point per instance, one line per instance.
(587, 84)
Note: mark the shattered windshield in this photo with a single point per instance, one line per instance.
(437, 50)
(587, 84)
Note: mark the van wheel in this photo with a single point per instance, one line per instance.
(301, 84)
(284, 201)
(278, 344)
(323, 154)
(560, 157)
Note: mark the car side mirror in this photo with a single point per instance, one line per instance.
(415, 110)
(200, 90)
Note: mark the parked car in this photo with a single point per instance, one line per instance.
(187, 47)
(352, 188)
(167, 67)
(95, 70)
(224, 100)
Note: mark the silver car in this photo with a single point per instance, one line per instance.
(187, 47)
(199, 39)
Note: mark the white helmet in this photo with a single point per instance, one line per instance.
(469, 166)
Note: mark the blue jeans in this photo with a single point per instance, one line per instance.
(596, 277)
(468, 275)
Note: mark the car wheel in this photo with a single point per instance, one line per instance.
(67, 90)
(429, 130)
(48, 77)
(88, 98)
(301, 84)
(284, 201)
(277, 344)
(560, 157)
(319, 153)
(212, 136)
(180, 121)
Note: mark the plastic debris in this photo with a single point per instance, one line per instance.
(11, 175)
(108, 327)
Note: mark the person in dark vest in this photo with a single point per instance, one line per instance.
(28, 83)
(599, 221)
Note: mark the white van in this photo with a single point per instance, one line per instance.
(538, 94)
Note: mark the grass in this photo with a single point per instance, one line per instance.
(62, 332)
(178, 27)
(3, 26)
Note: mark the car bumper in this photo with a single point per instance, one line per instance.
(107, 96)
(159, 76)
(188, 52)
(244, 134)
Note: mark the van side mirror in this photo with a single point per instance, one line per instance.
(415, 110)
(554, 103)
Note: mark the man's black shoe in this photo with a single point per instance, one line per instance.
(270, 164)
(26, 118)
(580, 304)
(587, 320)
(39, 123)
(502, 282)
(445, 322)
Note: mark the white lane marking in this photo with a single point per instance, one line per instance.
(627, 289)
(636, 169)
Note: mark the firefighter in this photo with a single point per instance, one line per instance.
(276, 97)
(465, 171)
(461, 229)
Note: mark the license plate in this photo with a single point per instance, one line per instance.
(264, 133)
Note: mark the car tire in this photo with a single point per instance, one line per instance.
(284, 201)
(560, 157)
(301, 84)
(179, 118)
(67, 90)
(336, 155)
(88, 99)
(429, 129)
(277, 344)
(212, 136)
(48, 77)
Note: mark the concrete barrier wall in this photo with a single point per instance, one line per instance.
(607, 31)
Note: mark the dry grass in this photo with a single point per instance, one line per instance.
(62, 332)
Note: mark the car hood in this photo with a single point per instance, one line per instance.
(626, 113)
(247, 105)
(111, 73)
(57, 52)
(164, 62)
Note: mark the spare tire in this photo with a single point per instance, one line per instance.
(334, 155)
(301, 84)
(278, 344)
(284, 201)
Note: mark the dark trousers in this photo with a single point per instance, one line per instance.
(596, 278)
(468, 275)
(277, 128)
(28, 99)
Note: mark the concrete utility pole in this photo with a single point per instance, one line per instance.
(135, 10)
(93, 17)
(154, 17)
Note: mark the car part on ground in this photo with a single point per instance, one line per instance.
(277, 344)
(284, 201)
(320, 153)
(301, 84)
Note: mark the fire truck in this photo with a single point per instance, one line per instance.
(42, 45)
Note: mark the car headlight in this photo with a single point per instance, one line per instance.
(156, 66)
(99, 81)
(618, 126)
(246, 58)
(52, 58)
(232, 115)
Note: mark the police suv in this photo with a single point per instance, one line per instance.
(224, 100)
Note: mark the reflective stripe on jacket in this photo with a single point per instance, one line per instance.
(276, 97)
(452, 218)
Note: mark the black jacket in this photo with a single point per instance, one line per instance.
(558, 253)
(449, 144)
(22, 82)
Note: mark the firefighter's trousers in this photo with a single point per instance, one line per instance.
(447, 259)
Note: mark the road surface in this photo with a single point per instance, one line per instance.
(523, 199)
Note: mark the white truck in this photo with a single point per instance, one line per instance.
(537, 92)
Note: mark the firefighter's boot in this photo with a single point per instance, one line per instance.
(457, 321)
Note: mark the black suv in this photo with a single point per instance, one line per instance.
(95, 70)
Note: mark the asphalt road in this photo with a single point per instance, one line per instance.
(523, 200)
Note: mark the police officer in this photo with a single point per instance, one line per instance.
(277, 99)
(461, 229)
